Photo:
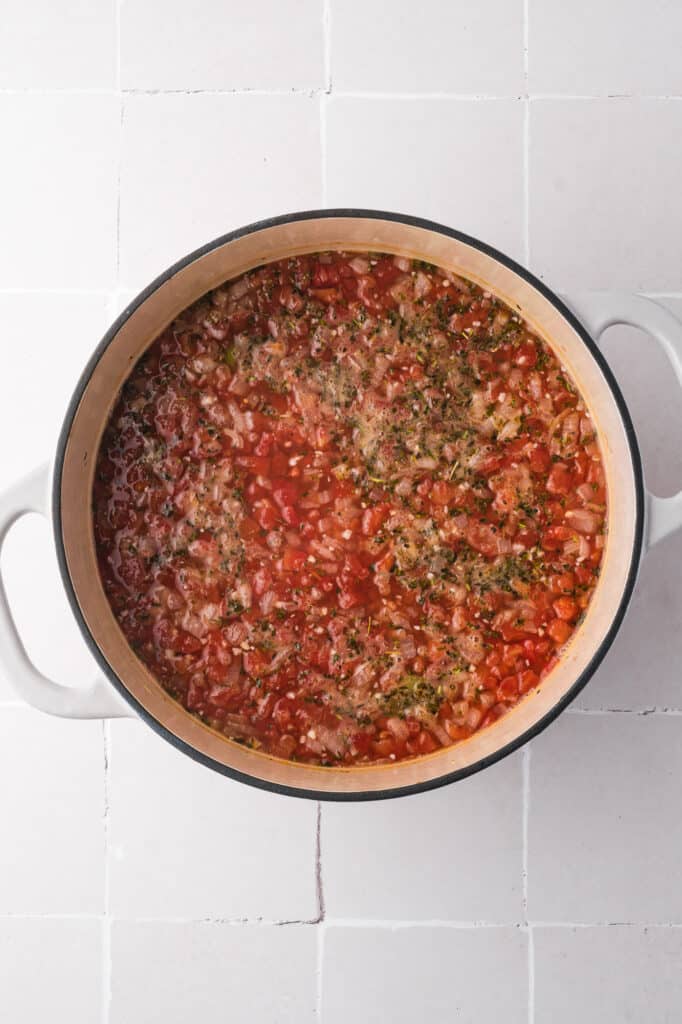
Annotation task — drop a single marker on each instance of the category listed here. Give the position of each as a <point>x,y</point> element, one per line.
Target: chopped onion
<point>564,432</point>
<point>583,520</point>
<point>238,385</point>
<point>219,333</point>
<point>239,288</point>
<point>359,264</point>
<point>316,499</point>
<point>432,724</point>
<point>585,492</point>
<point>398,728</point>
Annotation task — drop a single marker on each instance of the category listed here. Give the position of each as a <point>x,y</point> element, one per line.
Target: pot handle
<point>599,310</point>
<point>97,701</point>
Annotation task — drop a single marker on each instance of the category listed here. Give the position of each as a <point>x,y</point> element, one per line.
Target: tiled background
<point>136,886</point>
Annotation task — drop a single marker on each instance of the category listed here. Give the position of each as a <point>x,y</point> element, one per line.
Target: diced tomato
<point>583,575</point>
<point>528,680</point>
<point>484,537</point>
<point>526,355</point>
<point>350,597</point>
<point>490,464</point>
<point>352,570</point>
<point>374,518</point>
<point>563,583</point>
<point>565,609</point>
<point>256,464</point>
<point>262,580</point>
<point>539,458</point>
<point>441,492</point>
<point>285,492</point>
<point>555,537</point>
<point>325,274</point>
<point>265,444</point>
<point>293,559</point>
<point>508,688</point>
<point>266,514</point>
<point>559,631</point>
<point>326,295</point>
<point>290,516</point>
<point>254,663</point>
<point>559,480</point>
<point>425,743</point>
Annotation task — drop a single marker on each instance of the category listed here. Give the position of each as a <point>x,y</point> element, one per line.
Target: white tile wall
<point>136,886</point>
<point>50,338</point>
<point>52,846</point>
<point>264,45</point>
<point>604,829</point>
<point>58,197</point>
<point>629,973</point>
<point>602,181</point>
<point>44,45</point>
<point>195,166</point>
<point>188,843</point>
<point>593,47</point>
<point>472,975</point>
<point>175,973</point>
<point>50,970</point>
<point>454,874</point>
<point>469,47</point>
<point>409,155</point>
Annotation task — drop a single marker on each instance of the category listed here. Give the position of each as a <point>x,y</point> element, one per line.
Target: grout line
<point>347,93</point>
<point>309,92</point>
<point>644,925</point>
<point>531,976</point>
<point>318,865</point>
<point>58,916</point>
<point>118,194</point>
<point>58,92</point>
<point>326,31</point>
<point>526,142</point>
<point>525,771</point>
<point>327,39</point>
<point>364,922</point>
<point>56,291</point>
<point>526,27</point>
<point>350,94</point>
<point>602,96</point>
<point>526,182</point>
<point>491,925</point>
<point>642,712</point>
<point>525,768</point>
<point>106,923</point>
<point>323,147</point>
<point>318,966</point>
<point>662,295</point>
<point>346,922</point>
<point>117,31</point>
<point>320,909</point>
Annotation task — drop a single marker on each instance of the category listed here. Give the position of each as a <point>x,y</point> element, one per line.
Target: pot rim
<point>448,777</point>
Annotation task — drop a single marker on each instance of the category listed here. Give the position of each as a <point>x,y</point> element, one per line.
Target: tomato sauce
<point>349,508</point>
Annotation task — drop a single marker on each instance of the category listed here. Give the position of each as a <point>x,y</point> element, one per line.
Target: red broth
<point>348,509</point>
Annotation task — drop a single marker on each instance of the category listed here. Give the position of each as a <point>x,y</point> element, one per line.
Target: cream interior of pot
<point>230,260</point>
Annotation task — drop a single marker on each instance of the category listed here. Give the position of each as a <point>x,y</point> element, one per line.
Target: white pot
<point>636,519</point>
